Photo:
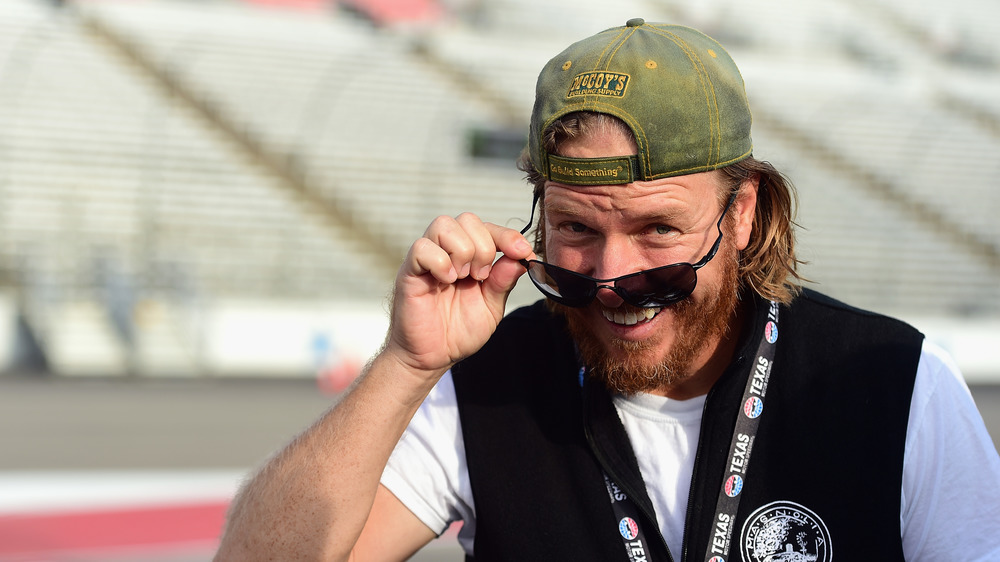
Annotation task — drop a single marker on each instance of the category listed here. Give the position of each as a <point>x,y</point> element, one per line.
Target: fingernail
<point>522,245</point>
<point>483,273</point>
<point>465,270</point>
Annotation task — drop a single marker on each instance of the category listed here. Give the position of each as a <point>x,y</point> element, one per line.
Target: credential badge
<point>785,531</point>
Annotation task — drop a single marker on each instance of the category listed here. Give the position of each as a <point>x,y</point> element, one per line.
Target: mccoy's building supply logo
<point>599,84</point>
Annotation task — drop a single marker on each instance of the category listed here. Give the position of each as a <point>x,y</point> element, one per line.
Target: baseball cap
<point>676,88</point>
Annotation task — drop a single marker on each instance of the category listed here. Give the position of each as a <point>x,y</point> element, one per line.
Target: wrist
<point>394,369</point>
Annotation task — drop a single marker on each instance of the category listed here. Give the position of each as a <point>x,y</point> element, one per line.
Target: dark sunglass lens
<point>659,287</point>
<point>562,285</point>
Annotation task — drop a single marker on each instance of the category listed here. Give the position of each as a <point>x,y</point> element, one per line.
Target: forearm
<point>313,498</point>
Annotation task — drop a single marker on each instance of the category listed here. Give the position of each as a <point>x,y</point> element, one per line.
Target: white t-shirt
<point>950,505</point>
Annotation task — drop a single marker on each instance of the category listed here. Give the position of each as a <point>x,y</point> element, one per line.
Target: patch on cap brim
<point>592,171</point>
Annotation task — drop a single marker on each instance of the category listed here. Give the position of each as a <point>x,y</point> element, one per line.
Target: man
<point>677,396</point>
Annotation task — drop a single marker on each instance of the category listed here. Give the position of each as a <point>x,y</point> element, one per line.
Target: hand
<point>449,294</point>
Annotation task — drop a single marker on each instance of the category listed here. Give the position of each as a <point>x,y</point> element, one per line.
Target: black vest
<point>826,466</point>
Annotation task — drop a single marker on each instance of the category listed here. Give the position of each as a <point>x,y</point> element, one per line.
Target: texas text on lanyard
<point>741,445</point>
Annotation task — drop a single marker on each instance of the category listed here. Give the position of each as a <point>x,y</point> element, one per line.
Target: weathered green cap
<point>675,87</point>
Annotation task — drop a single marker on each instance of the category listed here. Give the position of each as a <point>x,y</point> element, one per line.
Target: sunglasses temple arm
<point>715,247</point>
<point>531,217</point>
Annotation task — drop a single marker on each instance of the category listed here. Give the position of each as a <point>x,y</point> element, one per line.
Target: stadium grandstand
<point>196,193</point>
<point>184,183</point>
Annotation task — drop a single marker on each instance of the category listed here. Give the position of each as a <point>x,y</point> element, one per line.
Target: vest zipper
<point>631,491</point>
<point>688,529</point>
<point>694,477</point>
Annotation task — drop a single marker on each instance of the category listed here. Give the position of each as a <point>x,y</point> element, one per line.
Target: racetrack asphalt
<point>113,447</point>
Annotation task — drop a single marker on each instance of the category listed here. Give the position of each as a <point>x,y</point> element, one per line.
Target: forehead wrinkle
<point>634,202</point>
<point>628,202</point>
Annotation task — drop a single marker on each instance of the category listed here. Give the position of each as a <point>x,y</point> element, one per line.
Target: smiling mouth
<point>631,317</point>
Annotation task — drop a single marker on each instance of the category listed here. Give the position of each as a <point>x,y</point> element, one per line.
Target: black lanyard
<point>741,445</point>
<point>626,513</point>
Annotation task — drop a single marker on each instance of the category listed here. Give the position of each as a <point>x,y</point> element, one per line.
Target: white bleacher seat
<point>94,154</point>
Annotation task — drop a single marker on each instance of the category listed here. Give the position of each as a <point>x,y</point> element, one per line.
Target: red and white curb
<point>113,515</point>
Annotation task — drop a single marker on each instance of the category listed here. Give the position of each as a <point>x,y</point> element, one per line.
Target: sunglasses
<point>651,288</point>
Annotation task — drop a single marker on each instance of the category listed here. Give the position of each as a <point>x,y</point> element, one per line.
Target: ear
<point>746,208</point>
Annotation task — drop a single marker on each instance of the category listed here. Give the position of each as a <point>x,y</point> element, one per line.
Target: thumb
<point>501,281</point>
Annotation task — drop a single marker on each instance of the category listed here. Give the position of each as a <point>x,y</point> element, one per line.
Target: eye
<point>575,227</point>
<point>661,235</point>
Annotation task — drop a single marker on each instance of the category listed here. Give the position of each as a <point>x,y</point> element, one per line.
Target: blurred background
<point>203,204</point>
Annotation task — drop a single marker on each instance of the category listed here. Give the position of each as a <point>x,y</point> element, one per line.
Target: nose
<point>615,260</point>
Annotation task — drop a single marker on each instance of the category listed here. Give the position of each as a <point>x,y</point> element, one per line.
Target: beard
<point>625,366</point>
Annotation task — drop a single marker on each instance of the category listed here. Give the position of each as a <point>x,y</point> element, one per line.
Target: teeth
<point>630,318</point>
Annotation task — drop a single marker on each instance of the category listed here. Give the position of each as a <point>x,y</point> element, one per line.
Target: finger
<point>466,241</point>
<point>484,248</point>
<point>450,236</point>
<point>510,242</point>
<point>427,257</point>
<point>507,269</point>
<point>503,277</point>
